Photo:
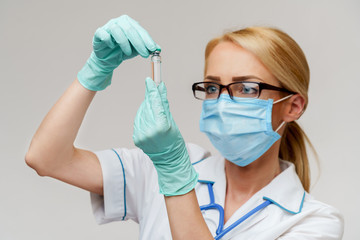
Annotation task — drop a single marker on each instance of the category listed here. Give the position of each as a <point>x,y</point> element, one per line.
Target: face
<point>228,60</point>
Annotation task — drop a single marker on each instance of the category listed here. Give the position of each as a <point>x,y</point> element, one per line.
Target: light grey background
<point>43,44</point>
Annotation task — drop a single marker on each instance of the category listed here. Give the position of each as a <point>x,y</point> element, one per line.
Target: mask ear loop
<point>282,124</point>
<point>284,98</point>
<point>280,100</point>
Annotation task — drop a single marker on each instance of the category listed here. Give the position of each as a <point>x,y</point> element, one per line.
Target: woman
<point>256,80</point>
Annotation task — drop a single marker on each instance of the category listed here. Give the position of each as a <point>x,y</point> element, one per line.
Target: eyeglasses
<point>242,89</point>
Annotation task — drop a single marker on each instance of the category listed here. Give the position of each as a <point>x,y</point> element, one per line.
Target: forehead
<point>228,60</point>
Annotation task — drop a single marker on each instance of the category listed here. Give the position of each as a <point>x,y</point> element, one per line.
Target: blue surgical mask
<point>240,129</point>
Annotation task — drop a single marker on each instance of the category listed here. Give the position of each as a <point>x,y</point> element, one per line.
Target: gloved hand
<point>120,39</point>
<point>156,133</point>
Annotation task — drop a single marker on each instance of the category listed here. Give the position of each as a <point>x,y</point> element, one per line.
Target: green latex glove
<point>120,39</point>
<point>156,133</point>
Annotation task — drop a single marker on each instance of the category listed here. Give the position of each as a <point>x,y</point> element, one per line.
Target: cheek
<point>276,117</point>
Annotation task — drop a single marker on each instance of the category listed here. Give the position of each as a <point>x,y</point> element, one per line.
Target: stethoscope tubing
<point>240,220</point>
<point>220,231</point>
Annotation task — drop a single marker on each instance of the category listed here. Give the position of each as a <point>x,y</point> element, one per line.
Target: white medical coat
<point>131,192</point>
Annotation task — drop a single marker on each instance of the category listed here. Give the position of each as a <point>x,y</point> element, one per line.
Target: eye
<point>211,89</point>
<point>245,89</point>
<point>249,90</point>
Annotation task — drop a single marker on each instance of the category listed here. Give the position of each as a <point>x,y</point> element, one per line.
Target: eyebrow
<point>234,79</point>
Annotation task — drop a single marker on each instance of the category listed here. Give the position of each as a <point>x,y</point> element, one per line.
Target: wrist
<point>177,182</point>
<point>92,78</point>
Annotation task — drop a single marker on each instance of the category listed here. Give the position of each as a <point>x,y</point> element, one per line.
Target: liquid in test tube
<point>156,66</point>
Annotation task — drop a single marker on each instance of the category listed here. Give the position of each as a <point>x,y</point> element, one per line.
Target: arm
<point>156,133</point>
<point>185,218</point>
<point>52,152</point>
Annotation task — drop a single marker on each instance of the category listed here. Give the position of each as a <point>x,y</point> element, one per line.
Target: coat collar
<point>285,190</point>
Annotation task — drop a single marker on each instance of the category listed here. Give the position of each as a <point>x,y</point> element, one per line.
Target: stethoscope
<point>220,231</point>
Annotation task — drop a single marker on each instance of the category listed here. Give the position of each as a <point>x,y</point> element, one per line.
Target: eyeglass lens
<point>212,90</point>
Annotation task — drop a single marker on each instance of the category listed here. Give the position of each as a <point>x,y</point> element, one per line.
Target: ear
<point>294,108</point>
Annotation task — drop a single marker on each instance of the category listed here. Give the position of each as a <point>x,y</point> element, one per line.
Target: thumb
<point>163,94</point>
<point>102,37</point>
<point>163,91</point>
<point>151,90</point>
<point>154,99</point>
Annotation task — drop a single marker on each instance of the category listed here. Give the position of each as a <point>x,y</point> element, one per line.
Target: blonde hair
<point>287,62</point>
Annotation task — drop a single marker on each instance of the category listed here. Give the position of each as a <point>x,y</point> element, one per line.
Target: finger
<point>102,37</point>
<point>120,39</point>
<point>148,41</point>
<point>133,36</point>
<point>158,47</point>
<point>108,24</point>
<point>137,42</point>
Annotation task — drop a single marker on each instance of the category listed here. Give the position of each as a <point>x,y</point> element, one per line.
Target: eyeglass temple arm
<point>270,87</point>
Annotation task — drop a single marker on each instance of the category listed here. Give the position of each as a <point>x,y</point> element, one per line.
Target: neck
<point>244,182</point>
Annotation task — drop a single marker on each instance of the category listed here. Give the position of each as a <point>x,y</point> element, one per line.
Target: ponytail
<point>293,149</point>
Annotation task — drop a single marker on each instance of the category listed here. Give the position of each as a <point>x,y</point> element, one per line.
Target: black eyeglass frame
<point>227,87</point>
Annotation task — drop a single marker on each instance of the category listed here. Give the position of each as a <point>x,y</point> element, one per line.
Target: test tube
<point>156,66</point>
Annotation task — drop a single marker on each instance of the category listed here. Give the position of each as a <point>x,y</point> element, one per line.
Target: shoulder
<point>196,153</point>
<point>303,217</point>
<point>320,210</point>
<point>119,153</point>
<point>136,158</point>
<point>124,160</point>
<point>210,167</point>
<point>318,219</point>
